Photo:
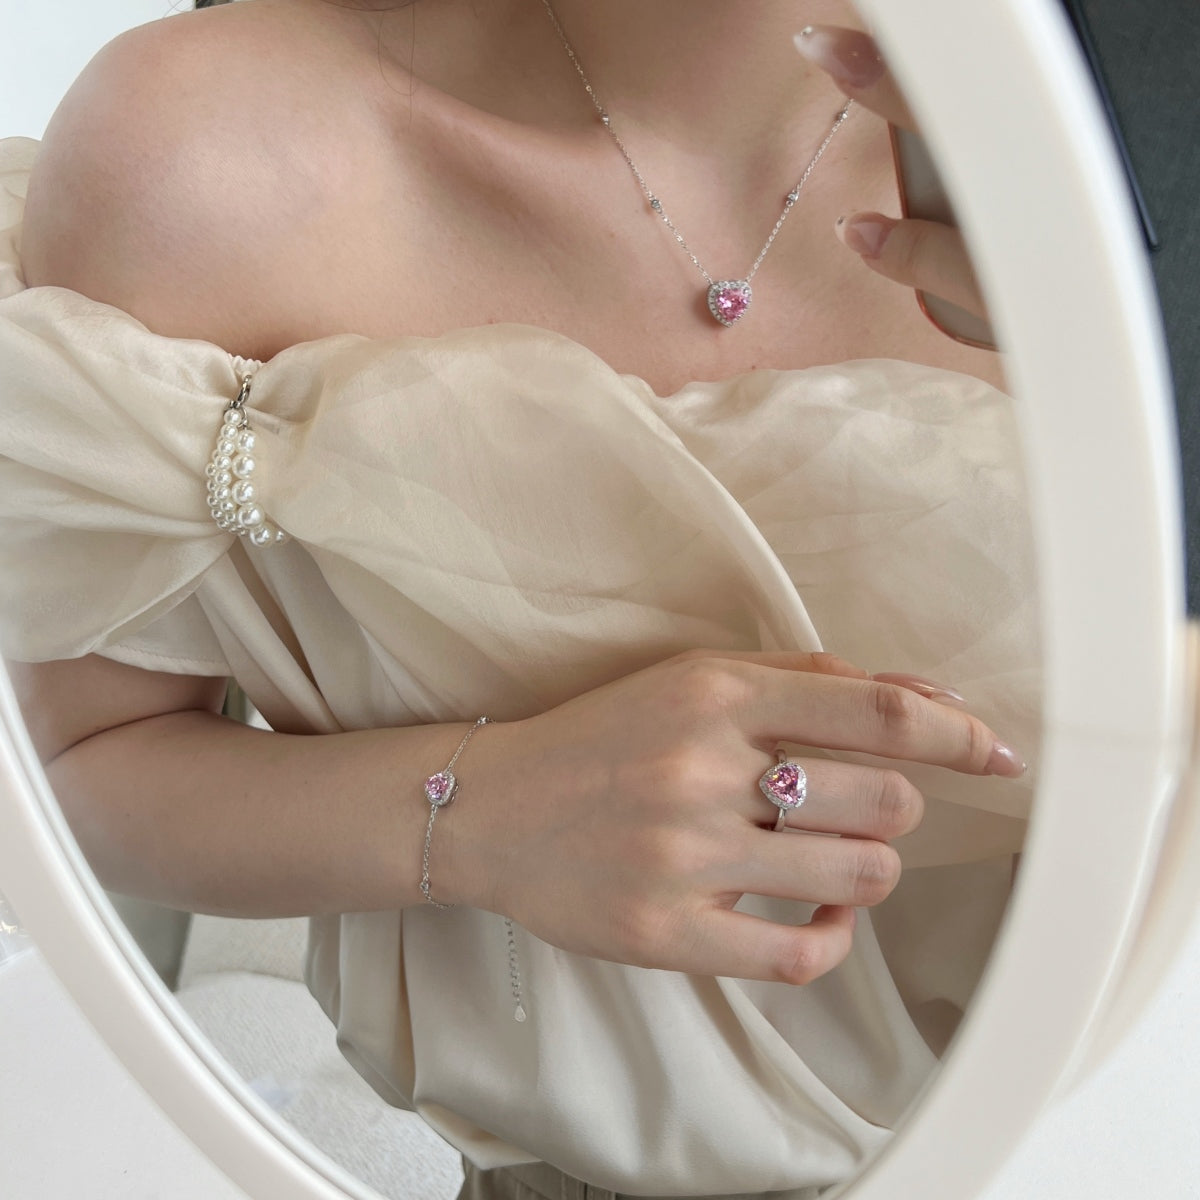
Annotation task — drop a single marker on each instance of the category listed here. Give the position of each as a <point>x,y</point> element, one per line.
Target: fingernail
<point>865,234</point>
<point>923,687</point>
<point>849,55</point>
<point>1005,761</point>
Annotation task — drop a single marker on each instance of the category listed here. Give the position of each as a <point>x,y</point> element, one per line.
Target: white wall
<point>44,44</point>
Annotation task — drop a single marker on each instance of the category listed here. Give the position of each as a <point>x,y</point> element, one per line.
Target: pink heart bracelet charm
<point>441,788</point>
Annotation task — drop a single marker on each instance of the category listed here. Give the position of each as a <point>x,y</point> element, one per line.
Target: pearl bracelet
<point>232,496</point>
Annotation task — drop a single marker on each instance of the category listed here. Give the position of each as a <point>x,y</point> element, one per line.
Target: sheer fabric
<point>493,521</point>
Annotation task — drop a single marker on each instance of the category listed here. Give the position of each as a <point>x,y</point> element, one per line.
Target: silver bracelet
<point>440,789</point>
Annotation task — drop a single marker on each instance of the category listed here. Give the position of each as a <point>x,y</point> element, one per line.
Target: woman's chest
<point>429,242</point>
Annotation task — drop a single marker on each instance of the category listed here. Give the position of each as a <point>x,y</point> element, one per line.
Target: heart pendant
<point>440,788</point>
<point>785,784</point>
<point>729,299</point>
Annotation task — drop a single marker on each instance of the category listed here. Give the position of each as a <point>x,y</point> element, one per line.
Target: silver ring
<point>785,785</point>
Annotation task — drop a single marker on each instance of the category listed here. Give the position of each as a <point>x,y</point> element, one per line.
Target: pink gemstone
<point>436,786</point>
<point>731,303</point>
<point>783,782</point>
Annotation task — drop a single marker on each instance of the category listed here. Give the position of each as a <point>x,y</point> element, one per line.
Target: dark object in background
<point>1148,52</point>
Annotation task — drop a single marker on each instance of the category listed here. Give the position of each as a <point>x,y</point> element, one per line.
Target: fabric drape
<point>493,521</point>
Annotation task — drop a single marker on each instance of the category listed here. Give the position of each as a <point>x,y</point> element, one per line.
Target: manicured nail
<point>866,233</point>
<point>1005,761</point>
<point>850,56</point>
<point>923,687</point>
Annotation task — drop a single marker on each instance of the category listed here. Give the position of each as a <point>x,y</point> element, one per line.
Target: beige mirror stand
<point>1006,106</point>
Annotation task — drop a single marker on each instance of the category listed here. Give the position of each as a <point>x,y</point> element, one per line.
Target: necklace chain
<point>656,204</point>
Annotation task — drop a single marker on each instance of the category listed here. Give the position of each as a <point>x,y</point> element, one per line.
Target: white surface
<point>73,1115</point>
<point>241,982</point>
<point>72,1121</point>
<point>1052,235</point>
<point>1162,1161</point>
<point>75,1125</point>
<point>44,44</point>
<point>1130,1131</point>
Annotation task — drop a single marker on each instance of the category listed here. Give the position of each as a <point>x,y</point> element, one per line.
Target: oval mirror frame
<point>1037,185</point>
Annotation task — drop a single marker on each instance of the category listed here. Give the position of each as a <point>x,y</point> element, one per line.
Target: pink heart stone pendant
<point>785,784</point>
<point>728,300</point>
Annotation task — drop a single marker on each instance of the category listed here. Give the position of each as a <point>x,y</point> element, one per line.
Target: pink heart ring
<point>785,785</point>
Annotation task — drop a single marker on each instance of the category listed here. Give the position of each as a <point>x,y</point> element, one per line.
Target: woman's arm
<point>172,802</point>
<point>624,823</point>
<point>160,193</point>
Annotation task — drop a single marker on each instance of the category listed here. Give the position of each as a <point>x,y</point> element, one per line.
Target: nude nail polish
<point>865,235</point>
<point>1005,761</point>
<point>849,55</point>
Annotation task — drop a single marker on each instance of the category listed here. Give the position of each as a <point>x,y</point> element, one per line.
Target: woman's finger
<point>853,800</point>
<point>740,946</point>
<point>819,662</point>
<point>860,872</point>
<point>848,799</point>
<point>929,688</point>
<point>772,706</point>
<point>852,60</point>
<point>924,255</point>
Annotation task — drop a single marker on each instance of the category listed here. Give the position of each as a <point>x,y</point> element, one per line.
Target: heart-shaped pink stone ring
<point>785,785</point>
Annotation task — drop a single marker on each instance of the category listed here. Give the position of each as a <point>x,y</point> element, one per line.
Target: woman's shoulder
<point>185,161</point>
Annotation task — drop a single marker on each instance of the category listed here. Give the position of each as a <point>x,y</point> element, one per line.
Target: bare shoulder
<point>187,160</point>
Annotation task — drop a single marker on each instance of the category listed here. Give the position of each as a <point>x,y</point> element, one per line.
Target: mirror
<point>1071,690</point>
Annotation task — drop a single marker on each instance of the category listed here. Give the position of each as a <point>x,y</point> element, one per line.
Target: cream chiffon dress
<point>493,521</point>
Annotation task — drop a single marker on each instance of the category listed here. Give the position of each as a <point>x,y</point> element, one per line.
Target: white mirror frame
<point>1038,188</point>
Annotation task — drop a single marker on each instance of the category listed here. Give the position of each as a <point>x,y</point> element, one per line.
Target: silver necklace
<point>728,299</point>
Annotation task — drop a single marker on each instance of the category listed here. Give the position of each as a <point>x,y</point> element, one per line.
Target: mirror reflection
<point>560,365</point>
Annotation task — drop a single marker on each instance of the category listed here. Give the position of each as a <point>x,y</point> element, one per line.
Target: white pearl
<point>221,478</point>
<point>226,445</point>
<point>233,416</point>
<point>261,536</point>
<point>223,493</point>
<point>250,515</point>
<point>222,462</point>
<point>243,465</point>
<point>243,491</point>
<point>227,506</point>
<point>209,470</point>
<point>246,440</point>
<point>281,537</point>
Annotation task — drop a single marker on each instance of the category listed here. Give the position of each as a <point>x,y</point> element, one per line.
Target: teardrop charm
<point>728,300</point>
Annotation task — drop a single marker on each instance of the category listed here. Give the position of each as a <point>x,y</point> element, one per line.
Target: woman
<point>512,497</point>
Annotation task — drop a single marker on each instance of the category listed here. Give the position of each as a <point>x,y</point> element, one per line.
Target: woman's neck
<point>699,69</point>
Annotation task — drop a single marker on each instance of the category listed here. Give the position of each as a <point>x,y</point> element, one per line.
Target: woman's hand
<point>924,255</point>
<point>638,823</point>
